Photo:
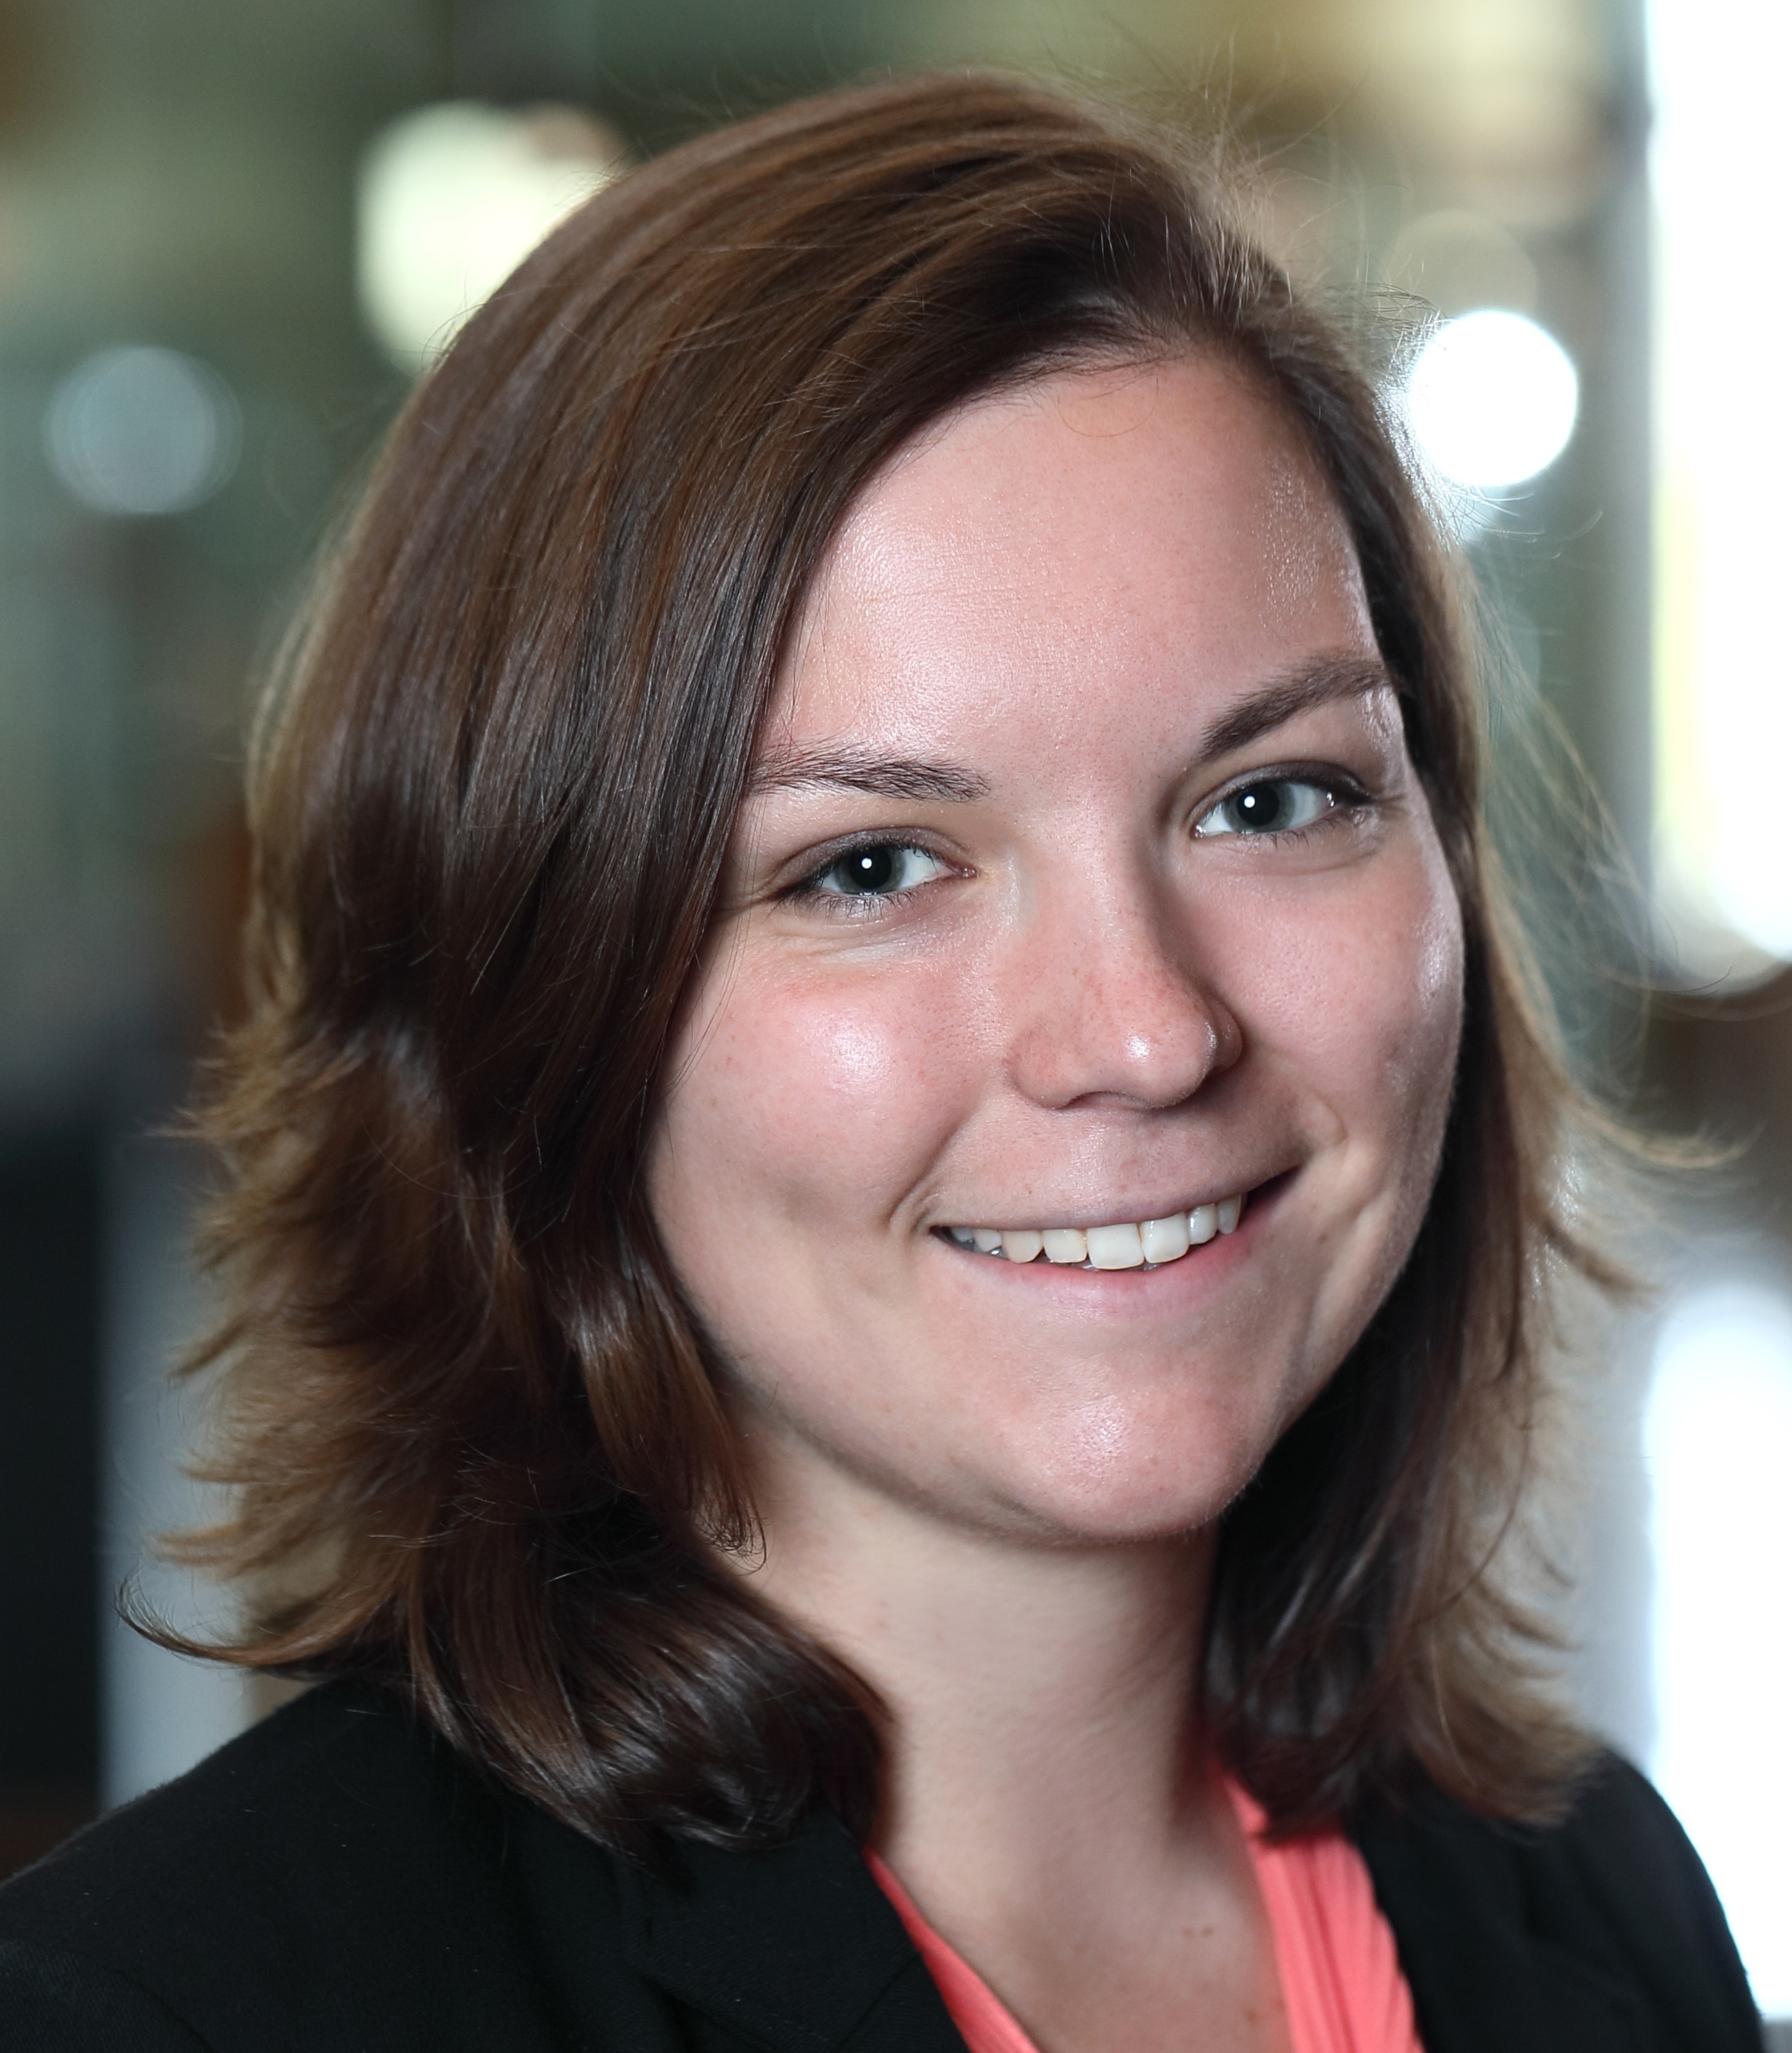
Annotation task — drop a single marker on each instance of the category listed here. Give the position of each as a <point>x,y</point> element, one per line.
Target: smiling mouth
<point>1140,1244</point>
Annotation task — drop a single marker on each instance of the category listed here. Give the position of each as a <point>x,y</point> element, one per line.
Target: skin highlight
<point>1091,994</point>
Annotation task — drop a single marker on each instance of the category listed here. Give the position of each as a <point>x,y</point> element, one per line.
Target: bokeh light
<point>453,197</point>
<point>1491,399</point>
<point>142,431</point>
<point>1717,1442</point>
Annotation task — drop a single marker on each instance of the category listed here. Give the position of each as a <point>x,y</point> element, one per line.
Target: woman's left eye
<point>880,871</point>
<point>1277,804</point>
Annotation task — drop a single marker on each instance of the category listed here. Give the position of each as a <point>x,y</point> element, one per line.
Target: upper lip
<point>1049,1221</point>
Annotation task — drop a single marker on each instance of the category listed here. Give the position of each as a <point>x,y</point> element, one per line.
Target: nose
<point>1108,1004</point>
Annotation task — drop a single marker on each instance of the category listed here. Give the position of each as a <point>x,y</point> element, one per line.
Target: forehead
<point>1132,542</point>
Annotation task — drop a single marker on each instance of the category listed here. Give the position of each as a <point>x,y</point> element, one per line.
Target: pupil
<point>870,869</point>
<point>1261,808</point>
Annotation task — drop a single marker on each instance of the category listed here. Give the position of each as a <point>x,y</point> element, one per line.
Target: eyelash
<point>1344,795</point>
<point>854,905</point>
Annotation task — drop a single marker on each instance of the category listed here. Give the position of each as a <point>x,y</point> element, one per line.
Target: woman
<point>891,1191</point>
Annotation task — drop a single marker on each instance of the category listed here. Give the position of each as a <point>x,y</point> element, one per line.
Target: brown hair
<point>474,1439</point>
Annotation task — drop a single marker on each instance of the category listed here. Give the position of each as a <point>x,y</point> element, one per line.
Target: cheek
<point>1365,1002</point>
<point>803,1099</point>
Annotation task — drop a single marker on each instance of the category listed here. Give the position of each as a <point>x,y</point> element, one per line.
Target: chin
<point>1125,1476</point>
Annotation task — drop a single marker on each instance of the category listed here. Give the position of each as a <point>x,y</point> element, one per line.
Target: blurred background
<point>232,232</point>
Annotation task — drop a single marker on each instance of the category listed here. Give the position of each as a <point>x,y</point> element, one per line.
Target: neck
<point>1042,1698</point>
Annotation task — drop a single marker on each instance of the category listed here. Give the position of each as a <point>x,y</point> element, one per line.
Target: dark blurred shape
<point>509,54</point>
<point>1720,1063</point>
<point>27,62</point>
<point>50,1241</point>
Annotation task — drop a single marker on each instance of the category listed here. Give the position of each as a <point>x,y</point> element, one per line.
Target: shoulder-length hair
<point>476,1443</point>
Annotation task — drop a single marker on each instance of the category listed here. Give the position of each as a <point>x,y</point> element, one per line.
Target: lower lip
<point>1122,1291</point>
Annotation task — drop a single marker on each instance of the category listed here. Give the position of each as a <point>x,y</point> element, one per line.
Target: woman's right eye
<point>882,869</point>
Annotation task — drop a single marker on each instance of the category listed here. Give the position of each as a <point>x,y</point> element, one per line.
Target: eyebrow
<point>1296,691</point>
<point>865,770</point>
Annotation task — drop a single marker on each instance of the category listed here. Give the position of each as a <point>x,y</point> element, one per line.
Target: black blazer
<point>337,1882</point>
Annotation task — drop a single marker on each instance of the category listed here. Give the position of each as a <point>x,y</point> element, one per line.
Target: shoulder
<point>1602,1930</point>
<point>338,1783</point>
<point>333,1864</point>
<point>338,1877</point>
<point>55,2001</point>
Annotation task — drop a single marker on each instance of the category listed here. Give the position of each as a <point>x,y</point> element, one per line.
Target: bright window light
<point>1491,399</point>
<point>1717,1441</point>
<point>141,430</point>
<point>453,197</point>
<point>1723,445</point>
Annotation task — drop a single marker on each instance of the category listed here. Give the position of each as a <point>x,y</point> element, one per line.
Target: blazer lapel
<point>1482,1979</point>
<point>795,1949</point>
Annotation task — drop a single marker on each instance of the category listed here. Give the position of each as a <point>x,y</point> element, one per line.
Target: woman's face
<point>1085,884</point>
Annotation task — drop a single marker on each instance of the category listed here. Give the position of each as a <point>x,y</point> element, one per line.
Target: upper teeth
<point>1151,1242</point>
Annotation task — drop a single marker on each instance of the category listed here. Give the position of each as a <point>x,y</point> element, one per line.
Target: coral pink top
<point>1341,1978</point>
